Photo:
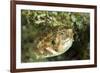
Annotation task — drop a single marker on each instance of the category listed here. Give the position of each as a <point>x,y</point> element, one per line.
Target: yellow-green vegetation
<point>54,36</point>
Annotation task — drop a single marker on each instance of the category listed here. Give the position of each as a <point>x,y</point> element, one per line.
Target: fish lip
<point>64,50</point>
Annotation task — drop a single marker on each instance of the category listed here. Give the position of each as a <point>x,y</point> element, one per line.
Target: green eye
<point>62,33</point>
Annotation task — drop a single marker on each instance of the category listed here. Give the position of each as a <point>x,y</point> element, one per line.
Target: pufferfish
<point>54,43</point>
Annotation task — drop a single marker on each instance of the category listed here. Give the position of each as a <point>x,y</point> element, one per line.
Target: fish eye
<point>62,33</point>
<point>53,42</point>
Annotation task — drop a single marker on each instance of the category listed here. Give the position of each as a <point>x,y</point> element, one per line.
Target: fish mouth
<point>66,46</point>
